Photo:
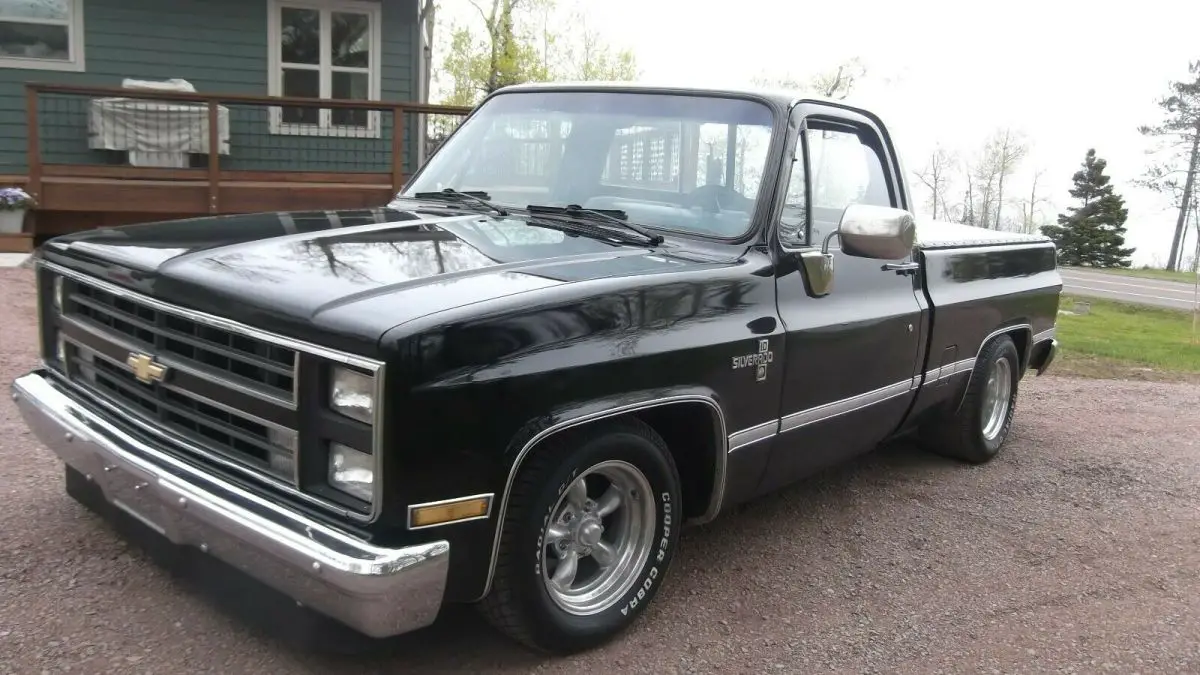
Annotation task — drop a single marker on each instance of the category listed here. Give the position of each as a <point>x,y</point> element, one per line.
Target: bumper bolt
<point>70,437</point>
<point>88,477</point>
<point>317,566</point>
<point>183,502</point>
<point>204,548</point>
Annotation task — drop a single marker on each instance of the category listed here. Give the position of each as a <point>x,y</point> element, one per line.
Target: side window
<point>793,221</point>
<point>846,169</point>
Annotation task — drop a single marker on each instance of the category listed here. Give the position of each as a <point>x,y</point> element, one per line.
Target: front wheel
<point>592,526</point>
<point>981,425</point>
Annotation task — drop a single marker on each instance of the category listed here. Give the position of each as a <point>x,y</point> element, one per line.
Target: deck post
<point>397,148</point>
<point>214,156</point>
<point>33,143</point>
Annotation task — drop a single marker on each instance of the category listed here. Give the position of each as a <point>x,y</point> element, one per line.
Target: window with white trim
<point>41,34</point>
<point>325,49</point>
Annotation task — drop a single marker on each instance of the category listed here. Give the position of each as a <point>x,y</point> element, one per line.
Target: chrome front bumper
<point>378,591</point>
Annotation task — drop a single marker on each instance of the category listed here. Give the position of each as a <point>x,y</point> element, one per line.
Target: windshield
<point>686,163</point>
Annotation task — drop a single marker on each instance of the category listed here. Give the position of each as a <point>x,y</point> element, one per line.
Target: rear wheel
<point>592,525</point>
<point>978,430</point>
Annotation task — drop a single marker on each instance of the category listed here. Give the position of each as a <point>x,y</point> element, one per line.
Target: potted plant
<point>14,202</point>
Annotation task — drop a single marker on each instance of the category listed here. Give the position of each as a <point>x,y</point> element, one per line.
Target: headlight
<point>351,471</point>
<point>352,394</point>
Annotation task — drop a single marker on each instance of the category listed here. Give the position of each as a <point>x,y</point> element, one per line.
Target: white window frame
<point>325,126</point>
<point>74,24</point>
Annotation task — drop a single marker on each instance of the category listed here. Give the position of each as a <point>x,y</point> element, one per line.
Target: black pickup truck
<point>596,314</point>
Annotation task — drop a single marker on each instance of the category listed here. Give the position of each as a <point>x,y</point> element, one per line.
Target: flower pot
<point>11,222</point>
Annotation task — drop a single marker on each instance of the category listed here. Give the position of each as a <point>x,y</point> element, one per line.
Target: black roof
<point>780,97</point>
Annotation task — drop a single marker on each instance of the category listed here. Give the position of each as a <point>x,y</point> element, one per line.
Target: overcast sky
<point>1069,74</point>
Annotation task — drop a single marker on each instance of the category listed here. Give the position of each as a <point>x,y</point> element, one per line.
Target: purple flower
<point>14,198</point>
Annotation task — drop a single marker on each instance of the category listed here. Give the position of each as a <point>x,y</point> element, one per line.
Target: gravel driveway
<point>1077,551</point>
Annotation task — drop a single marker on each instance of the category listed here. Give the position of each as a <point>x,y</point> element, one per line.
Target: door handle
<point>902,268</point>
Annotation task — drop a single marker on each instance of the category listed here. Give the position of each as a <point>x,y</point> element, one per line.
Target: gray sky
<point>1069,74</point>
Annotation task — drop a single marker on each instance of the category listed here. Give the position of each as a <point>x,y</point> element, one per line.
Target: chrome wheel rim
<point>598,538</point>
<point>996,394</point>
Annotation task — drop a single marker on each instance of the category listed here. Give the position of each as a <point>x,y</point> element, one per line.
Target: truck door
<point>852,355</point>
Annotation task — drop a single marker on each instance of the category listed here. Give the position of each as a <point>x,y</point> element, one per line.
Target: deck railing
<point>152,135</point>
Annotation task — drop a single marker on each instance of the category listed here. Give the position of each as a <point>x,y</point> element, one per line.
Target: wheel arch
<point>1022,337</point>
<point>672,417</point>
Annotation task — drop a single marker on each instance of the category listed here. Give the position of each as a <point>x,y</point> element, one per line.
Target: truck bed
<point>979,283</point>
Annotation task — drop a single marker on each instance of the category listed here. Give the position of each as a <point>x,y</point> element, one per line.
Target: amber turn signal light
<point>449,511</point>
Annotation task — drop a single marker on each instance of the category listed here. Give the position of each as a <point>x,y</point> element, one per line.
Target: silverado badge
<point>759,360</point>
<point>145,368</point>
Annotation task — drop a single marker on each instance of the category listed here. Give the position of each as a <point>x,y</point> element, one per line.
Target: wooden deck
<point>232,192</point>
<point>73,197</point>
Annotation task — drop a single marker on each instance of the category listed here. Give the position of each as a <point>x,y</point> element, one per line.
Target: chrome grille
<point>233,435</point>
<point>255,363</point>
<point>216,379</point>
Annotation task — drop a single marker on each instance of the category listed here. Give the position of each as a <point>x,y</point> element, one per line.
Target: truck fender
<point>576,414</point>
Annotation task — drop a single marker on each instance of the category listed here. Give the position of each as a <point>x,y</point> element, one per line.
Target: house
<point>106,106</point>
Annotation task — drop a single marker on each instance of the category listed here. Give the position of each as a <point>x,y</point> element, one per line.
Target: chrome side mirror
<point>865,232</point>
<point>879,232</point>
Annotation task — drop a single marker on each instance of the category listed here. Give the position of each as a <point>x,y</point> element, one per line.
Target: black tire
<point>961,435</point>
<point>519,604</point>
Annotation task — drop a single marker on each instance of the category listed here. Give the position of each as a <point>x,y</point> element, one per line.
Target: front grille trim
<point>155,336</point>
<point>172,334</point>
<point>247,436</point>
<point>195,450</point>
<point>371,365</point>
<point>129,344</point>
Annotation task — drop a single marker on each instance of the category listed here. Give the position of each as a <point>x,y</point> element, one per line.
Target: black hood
<point>343,278</point>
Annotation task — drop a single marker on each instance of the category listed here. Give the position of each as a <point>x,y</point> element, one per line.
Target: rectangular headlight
<point>352,394</point>
<point>351,471</point>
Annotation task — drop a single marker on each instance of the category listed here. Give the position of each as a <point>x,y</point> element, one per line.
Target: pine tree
<point>1093,233</point>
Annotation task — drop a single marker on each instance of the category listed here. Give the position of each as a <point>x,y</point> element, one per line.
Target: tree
<point>981,187</point>
<point>1180,131</point>
<point>936,176</point>
<point>968,212</point>
<point>1008,149</point>
<point>836,83</point>
<point>1093,233</point>
<point>994,163</point>
<point>518,44</point>
<point>1029,207</point>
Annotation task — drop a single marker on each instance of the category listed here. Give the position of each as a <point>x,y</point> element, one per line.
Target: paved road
<point>1160,293</point>
<point>1078,550</point>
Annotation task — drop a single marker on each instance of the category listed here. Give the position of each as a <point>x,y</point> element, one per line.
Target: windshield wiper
<point>613,216</point>
<point>471,196</point>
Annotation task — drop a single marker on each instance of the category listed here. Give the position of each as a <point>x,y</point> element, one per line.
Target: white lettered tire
<point>592,526</point>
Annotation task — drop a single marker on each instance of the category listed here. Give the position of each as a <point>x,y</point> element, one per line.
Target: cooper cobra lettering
<point>652,574</point>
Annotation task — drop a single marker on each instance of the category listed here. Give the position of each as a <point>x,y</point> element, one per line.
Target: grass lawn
<point>1166,275</point>
<point>1116,340</point>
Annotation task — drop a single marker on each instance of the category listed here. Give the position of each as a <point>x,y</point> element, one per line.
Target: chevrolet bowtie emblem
<point>145,369</point>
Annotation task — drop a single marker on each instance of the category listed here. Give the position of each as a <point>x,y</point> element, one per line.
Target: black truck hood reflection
<point>343,278</point>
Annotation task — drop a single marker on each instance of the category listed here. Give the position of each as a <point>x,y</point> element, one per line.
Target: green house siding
<point>220,46</point>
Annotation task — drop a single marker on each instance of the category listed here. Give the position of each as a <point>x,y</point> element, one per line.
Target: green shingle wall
<point>219,46</point>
